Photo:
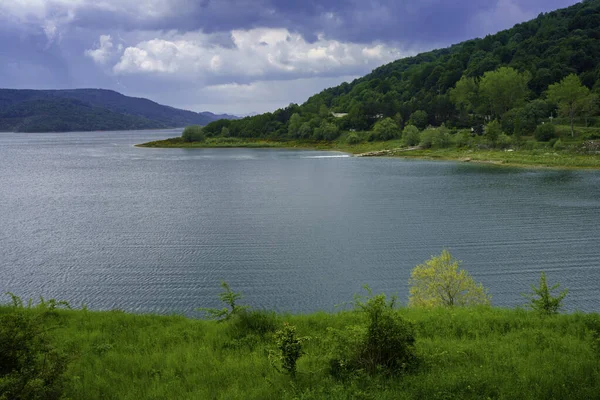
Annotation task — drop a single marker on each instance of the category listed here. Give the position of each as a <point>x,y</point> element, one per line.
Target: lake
<point>89,218</point>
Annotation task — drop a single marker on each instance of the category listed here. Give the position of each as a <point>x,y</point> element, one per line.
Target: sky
<point>231,56</point>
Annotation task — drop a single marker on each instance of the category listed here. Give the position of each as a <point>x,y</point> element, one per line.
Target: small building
<point>339,115</point>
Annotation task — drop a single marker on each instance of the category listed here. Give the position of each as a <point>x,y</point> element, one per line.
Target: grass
<point>476,353</point>
<point>535,155</point>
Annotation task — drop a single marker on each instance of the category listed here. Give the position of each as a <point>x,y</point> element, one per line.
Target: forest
<point>540,71</point>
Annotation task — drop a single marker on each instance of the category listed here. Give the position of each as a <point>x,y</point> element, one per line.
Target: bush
<point>545,132</point>
<point>441,138</point>
<point>386,129</point>
<point>352,139</point>
<point>410,136</point>
<point>493,130</point>
<point>559,145</point>
<point>463,138</point>
<point>504,141</point>
<point>30,368</point>
<point>385,344</point>
<point>193,133</point>
<point>542,301</point>
<point>440,282</point>
<point>290,348</point>
<point>230,299</point>
<point>426,138</point>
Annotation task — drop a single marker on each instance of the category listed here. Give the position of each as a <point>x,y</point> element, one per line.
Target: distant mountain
<point>90,110</point>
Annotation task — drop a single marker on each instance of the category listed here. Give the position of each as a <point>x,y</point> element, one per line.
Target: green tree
<point>420,119</point>
<point>440,282</point>
<point>305,131</point>
<point>504,89</point>
<point>294,125</point>
<point>465,94</point>
<point>193,133</point>
<point>569,95</point>
<point>326,131</point>
<point>386,129</point>
<point>410,135</point>
<point>493,130</point>
<point>542,301</point>
<point>225,132</point>
<point>589,106</point>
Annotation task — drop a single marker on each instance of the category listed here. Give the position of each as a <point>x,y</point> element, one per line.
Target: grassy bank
<point>539,157</point>
<point>467,353</point>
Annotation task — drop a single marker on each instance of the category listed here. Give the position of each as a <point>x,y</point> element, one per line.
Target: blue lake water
<point>89,218</point>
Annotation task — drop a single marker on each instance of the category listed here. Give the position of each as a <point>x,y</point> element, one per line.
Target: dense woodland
<point>503,77</point>
<point>89,110</point>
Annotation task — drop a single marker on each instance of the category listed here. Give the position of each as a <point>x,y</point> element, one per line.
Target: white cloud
<point>104,52</point>
<point>261,53</point>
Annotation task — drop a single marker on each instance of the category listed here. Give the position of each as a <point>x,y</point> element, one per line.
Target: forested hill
<point>418,89</point>
<point>89,110</point>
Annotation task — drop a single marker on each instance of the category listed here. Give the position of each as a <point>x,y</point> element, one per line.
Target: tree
<point>569,95</point>
<point>542,300</point>
<point>294,125</point>
<point>440,282</point>
<point>465,94</point>
<point>410,135</point>
<point>504,89</point>
<point>193,133</point>
<point>386,129</point>
<point>589,106</point>
<point>420,119</point>
<point>493,130</point>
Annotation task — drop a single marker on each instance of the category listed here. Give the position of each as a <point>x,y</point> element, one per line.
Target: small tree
<point>493,130</point>
<point>230,298</point>
<point>569,94</point>
<point>410,135</point>
<point>542,301</point>
<point>193,133</point>
<point>290,348</point>
<point>386,129</point>
<point>440,282</point>
<point>419,118</point>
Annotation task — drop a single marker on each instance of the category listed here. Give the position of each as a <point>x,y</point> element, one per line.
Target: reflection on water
<point>89,218</point>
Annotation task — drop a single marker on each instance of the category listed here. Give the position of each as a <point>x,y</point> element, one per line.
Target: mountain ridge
<point>86,109</point>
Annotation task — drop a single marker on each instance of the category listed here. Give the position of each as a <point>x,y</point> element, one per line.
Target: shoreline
<point>532,159</point>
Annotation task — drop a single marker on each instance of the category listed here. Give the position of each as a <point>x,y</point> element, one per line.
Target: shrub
<point>30,368</point>
<point>386,129</point>
<point>290,348</point>
<point>441,138</point>
<point>493,130</point>
<point>193,133</point>
<point>410,136</point>
<point>440,282</point>
<point>559,145</point>
<point>463,138</point>
<point>504,141</point>
<point>545,132</point>
<point>230,299</point>
<point>542,301</point>
<point>385,344</point>
<point>426,138</point>
<point>352,139</point>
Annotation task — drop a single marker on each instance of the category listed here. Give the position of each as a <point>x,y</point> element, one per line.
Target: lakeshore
<point>537,158</point>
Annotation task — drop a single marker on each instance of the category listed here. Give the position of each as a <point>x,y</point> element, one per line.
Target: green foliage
<point>492,132</point>
<point>504,89</point>
<point>326,131</point>
<point>230,299</point>
<point>420,119</point>
<point>440,282</point>
<point>465,95</point>
<point>542,301</point>
<point>253,322</point>
<point>193,133</point>
<point>385,344</point>
<point>426,137</point>
<point>30,367</point>
<point>353,139</point>
<point>463,138</point>
<point>570,96</point>
<point>386,129</point>
<point>545,132</point>
<point>290,348</point>
<point>410,135</point>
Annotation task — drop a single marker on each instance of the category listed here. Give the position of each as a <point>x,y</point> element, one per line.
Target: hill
<point>417,90</point>
<point>89,110</point>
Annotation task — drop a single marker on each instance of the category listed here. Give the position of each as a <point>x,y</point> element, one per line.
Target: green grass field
<point>478,353</point>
